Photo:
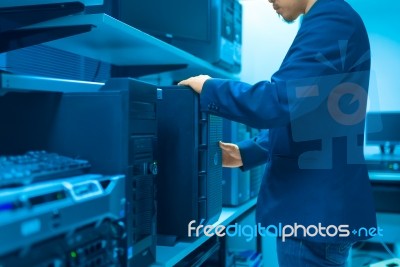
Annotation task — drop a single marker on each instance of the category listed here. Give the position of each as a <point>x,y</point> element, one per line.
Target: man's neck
<point>310,3</point>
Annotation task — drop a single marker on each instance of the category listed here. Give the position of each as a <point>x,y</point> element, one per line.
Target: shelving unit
<point>13,17</point>
<point>117,43</point>
<point>25,3</point>
<point>106,39</point>
<point>24,83</point>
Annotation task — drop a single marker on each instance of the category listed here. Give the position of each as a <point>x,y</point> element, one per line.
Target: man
<point>314,108</point>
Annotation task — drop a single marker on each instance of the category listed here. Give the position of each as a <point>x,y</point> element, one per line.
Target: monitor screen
<point>383,128</point>
<point>179,19</point>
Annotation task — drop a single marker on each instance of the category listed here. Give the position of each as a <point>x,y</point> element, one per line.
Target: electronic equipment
<point>386,196</point>
<point>384,174</point>
<point>383,162</point>
<point>77,221</point>
<point>35,166</point>
<point>189,157</point>
<point>114,128</point>
<point>208,29</point>
<point>235,183</point>
<point>383,129</point>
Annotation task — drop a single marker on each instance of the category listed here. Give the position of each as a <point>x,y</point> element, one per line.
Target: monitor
<point>383,129</point>
<point>209,29</point>
<point>169,18</point>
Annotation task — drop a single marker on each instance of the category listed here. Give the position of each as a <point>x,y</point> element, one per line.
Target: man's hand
<point>195,82</point>
<point>230,155</point>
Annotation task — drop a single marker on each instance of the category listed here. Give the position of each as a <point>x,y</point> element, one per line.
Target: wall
<point>266,39</point>
<point>380,18</point>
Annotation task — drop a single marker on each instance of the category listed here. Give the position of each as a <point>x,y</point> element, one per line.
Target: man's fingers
<point>230,155</point>
<point>228,147</point>
<point>196,82</point>
<point>184,82</point>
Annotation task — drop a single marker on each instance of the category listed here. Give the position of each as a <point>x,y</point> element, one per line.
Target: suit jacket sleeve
<point>254,151</point>
<point>314,53</point>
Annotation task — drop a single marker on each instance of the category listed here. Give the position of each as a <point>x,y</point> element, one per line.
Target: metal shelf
<point>169,256</point>
<point>23,3</point>
<point>24,83</point>
<point>119,44</point>
<point>14,16</point>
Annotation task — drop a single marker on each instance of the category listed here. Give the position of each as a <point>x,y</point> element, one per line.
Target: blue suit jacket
<point>314,108</point>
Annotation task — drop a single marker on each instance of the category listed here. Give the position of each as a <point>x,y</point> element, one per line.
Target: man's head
<point>291,9</point>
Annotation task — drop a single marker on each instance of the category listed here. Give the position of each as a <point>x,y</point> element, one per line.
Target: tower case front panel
<point>190,167</point>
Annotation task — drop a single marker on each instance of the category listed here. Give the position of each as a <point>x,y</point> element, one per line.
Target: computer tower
<point>189,160</point>
<point>235,183</point>
<point>114,128</point>
<point>208,29</point>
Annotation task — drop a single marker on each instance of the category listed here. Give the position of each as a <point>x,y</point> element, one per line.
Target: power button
<point>153,168</point>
